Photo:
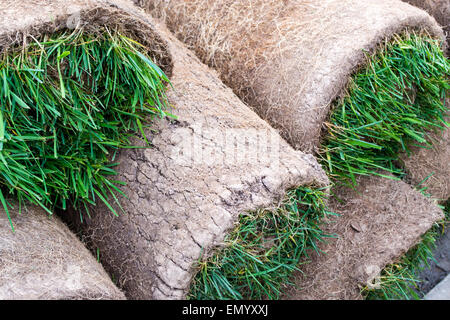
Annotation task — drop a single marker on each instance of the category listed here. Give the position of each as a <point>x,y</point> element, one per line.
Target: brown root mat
<point>43,259</point>
<point>379,222</point>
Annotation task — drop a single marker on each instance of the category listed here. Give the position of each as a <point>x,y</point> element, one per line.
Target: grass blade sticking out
<point>65,103</point>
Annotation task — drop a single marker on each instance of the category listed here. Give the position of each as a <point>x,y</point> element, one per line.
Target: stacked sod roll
<point>70,97</point>
<point>179,190</point>
<point>358,83</point>
<point>44,260</point>
<point>290,60</point>
<point>69,101</point>
<point>378,221</point>
<point>400,280</point>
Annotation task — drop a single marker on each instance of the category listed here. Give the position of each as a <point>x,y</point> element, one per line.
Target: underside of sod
<point>69,101</point>
<point>391,104</point>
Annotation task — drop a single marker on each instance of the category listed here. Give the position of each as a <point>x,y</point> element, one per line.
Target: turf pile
<point>263,250</point>
<point>400,280</point>
<point>44,260</point>
<point>162,211</point>
<point>68,102</point>
<point>390,105</point>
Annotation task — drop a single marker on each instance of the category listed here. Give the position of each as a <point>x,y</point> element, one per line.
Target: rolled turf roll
<point>358,77</point>
<point>43,259</point>
<point>74,85</point>
<point>289,60</point>
<point>60,120</point>
<point>440,10</point>
<point>379,222</point>
<point>187,191</point>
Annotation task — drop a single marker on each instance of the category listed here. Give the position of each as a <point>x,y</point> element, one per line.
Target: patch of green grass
<point>390,105</point>
<point>263,250</point>
<point>68,102</point>
<point>399,281</point>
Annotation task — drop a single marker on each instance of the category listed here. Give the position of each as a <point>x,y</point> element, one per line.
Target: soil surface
<point>438,269</point>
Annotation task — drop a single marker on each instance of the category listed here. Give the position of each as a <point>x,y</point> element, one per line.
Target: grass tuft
<point>68,102</point>
<point>390,105</point>
<point>263,250</point>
